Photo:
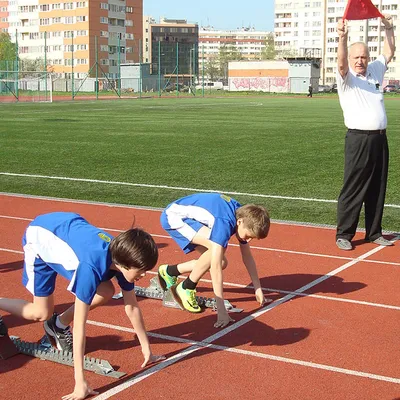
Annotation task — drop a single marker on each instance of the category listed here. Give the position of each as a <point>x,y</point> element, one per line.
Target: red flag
<point>361,9</point>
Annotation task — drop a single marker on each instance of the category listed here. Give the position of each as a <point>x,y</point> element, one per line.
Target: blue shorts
<point>37,276</point>
<point>181,230</point>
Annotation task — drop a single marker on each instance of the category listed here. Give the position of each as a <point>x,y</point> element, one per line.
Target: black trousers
<point>365,179</point>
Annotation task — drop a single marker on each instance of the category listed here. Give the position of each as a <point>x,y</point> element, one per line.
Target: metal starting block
<point>7,348</point>
<point>10,346</point>
<point>155,291</point>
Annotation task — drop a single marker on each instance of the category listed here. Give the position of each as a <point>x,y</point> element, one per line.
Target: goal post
<point>26,87</point>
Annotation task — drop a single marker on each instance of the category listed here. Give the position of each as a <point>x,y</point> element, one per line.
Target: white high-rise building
<point>308,28</point>
<point>248,41</point>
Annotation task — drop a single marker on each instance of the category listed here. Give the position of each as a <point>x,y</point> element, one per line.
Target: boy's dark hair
<point>134,248</point>
<point>255,218</point>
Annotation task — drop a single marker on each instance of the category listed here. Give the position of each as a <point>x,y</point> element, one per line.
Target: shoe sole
<point>345,248</point>
<point>179,300</point>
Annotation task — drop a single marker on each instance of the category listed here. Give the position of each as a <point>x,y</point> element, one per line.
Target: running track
<point>331,332</point>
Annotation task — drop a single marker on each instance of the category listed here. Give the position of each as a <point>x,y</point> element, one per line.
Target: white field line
<point>208,341</point>
<point>268,196</point>
<point>252,354</point>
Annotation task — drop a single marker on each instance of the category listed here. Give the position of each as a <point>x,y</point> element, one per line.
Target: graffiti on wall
<point>272,84</point>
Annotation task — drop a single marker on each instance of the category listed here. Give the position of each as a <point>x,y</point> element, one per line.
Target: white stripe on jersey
<point>177,212</point>
<point>50,248</point>
<point>29,257</point>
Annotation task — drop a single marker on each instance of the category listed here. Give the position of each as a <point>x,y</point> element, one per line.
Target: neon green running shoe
<point>186,298</point>
<point>166,280</point>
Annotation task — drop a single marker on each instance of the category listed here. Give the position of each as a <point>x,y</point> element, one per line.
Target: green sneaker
<point>166,280</point>
<point>186,297</point>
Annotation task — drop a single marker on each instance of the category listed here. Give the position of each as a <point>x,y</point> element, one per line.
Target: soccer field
<point>283,152</point>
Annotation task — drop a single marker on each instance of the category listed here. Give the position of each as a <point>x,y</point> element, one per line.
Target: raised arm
<point>342,53</point>
<point>389,44</point>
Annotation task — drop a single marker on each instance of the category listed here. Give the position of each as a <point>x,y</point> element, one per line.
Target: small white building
<point>293,75</point>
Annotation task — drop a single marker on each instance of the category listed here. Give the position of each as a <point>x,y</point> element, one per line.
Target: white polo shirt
<point>361,99</point>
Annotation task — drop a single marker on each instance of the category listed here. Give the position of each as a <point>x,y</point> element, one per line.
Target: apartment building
<point>3,16</point>
<point>171,47</point>
<point>308,28</point>
<point>249,42</point>
<point>66,33</point>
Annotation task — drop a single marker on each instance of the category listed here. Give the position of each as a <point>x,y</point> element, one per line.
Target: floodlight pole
<point>202,56</point>
<point>45,63</point>
<point>140,69</point>
<point>17,64</point>
<point>177,68</point>
<point>159,69</point>
<point>72,65</point>
<point>119,64</point>
<point>97,67</point>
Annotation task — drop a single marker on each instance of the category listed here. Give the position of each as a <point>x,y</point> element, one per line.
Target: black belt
<point>375,132</point>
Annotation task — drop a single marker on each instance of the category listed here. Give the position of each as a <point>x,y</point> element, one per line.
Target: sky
<point>221,14</point>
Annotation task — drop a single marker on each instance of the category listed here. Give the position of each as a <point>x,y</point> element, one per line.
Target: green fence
<point>172,70</point>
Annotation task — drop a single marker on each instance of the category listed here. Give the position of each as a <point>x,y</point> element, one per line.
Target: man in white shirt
<point>366,147</point>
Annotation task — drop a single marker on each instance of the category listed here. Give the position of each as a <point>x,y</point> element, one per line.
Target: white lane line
<point>130,382</point>
<point>12,251</point>
<point>236,245</point>
<point>178,188</point>
<point>203,345</point>
<point>316,296</point>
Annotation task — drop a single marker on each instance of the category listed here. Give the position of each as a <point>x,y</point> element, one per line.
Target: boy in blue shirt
<point>66,244</point>
<point>206,222</point>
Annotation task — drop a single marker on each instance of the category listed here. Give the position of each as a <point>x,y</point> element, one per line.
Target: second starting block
<point>155,291</point>
<point>13,345</point>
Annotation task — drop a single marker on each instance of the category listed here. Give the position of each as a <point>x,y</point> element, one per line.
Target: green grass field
<point>265,145</point>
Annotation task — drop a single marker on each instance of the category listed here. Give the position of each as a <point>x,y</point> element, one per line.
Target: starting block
<point>11,346</point>
<point>7,348</point>
<point>155,291</point>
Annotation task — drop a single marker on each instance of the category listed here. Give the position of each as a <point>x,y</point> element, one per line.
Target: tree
<point>8,49</point>
<point>268,52</point>
<point>211,69</point>
<point>227,53</point>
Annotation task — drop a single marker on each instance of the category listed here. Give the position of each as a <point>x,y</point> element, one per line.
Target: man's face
<point>358,59</point>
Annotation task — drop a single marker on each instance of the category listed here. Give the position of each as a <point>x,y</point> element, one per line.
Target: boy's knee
<point>42,315</point>
<point>106,290</point>
<point>224,263</point>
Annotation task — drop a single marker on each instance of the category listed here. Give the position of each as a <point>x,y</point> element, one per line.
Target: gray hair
<point>359,44</point>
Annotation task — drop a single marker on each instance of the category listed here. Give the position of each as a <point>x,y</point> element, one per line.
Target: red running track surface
<point>331,332</point>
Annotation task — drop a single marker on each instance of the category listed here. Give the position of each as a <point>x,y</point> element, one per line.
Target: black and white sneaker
<point>61,337</point>
<point>3,328</point>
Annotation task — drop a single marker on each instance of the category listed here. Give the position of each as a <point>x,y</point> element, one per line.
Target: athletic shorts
<point>37,276</point>
<point>182,230</point>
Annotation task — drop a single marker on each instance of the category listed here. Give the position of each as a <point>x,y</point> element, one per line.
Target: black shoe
<point>3,328</point>
<point>62,337</point>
